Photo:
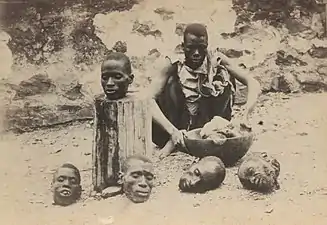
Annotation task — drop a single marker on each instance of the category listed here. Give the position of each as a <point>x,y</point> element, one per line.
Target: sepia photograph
<point>163,112</point>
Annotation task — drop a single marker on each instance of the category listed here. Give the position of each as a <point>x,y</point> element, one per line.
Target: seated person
<point>116,75</point>
<point>188,93</point>
<point>66,185</point>
<point>135,179</point>
<point>207,174</point>
<point>259,172</point>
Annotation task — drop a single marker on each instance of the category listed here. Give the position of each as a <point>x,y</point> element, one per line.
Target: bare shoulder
<point>163,69</point>
<point>166,66</point>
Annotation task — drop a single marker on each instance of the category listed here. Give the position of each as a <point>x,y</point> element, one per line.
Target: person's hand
<point>245,123</point>
<point>178,138</point>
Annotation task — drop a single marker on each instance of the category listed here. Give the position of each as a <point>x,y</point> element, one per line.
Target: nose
<point>110,82</point>
<point>196,53</point>
<point>66,182</point>
<point>143,183</point>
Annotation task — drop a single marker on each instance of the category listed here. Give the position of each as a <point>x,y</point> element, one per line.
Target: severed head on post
<point>116,75</point>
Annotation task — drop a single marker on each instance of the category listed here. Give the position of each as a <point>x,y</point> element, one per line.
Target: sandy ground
<point>294,130</point>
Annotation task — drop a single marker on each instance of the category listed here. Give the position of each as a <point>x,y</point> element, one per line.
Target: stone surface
<point>6,61</point>
<point>45,111</point>
<point>322,70</point>
<point>312,81</point>
<point>284,59</point>
<point>120,46</point>
<point>281,40</point>
<point>44,28</point>
<point>179,49</point>
<point>146,28</point>
<point>154,52</point>
<point>37,84</point>
<point>317,25</point>
<point>179,30</point>
<point>285,82</point>
<point>299,16</point>
<point>165,14</point>
<point>318,52</point>
<point>231,53</point>
<point>265,72</point>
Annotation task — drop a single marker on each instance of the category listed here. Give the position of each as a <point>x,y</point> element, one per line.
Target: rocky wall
<point>56,51</point>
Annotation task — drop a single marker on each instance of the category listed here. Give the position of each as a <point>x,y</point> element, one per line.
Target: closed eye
<point>136,174</point>
<point>104,77</point>
<point>60,179</point>
<point>118,76</point>
<point>149,177</point>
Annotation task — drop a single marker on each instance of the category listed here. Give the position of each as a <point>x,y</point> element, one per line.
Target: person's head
<point>116,75</point>
<point>207,174</point>
<point>66,185</point>
<point>195,44</point>
<point>259,173</point>
<point>137,178</point>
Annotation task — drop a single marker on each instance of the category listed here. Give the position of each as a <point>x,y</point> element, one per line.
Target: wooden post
<point>121,128</point>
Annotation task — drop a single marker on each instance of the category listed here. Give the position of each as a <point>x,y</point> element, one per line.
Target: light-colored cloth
<point>209,80</point>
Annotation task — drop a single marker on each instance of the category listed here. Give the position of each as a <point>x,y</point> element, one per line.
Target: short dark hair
<point>119,56</point>
<point>71,166</point>
<point>196,29</point>
<point>126,162</point>
<point>215,182</point>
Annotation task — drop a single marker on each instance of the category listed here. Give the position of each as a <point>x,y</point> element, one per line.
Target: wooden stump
<point>121,128</point>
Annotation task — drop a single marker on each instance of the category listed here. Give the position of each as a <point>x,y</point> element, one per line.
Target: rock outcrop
<point>281,43</point>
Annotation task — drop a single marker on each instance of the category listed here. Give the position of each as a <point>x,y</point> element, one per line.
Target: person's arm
<point>241,75</point>
<point>155,89</point>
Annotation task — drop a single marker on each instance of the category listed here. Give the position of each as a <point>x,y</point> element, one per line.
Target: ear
<point>120,178</point>
<point>79,193</point>
<point>131,78</point>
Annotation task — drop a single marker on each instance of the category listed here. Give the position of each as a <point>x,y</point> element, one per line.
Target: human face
<point>195,50</point>
<point>66,186</point>
<point>115,79</point>
<point>259,175</point>
<point>202,176</point>
<point>138,181</point>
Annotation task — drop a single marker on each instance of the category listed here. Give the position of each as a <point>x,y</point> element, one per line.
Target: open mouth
<point>185,185</point>
<point>110,91</point>
<point>65,192</point>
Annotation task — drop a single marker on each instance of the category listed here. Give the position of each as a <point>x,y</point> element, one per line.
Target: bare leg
<point>167,149</point>
<point>171,103</point>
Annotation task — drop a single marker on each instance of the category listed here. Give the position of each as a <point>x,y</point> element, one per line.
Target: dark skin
<point>259,173</point>
<point>115,78</point>
<point>66,187</point>
<point>195,51</point>
<point>137,180</point>
<point>203,176</point>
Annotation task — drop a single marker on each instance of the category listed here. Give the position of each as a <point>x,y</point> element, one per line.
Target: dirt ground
<point>294,130</point>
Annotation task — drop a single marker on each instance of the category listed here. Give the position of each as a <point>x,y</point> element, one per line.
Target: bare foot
<point>167,150</point>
